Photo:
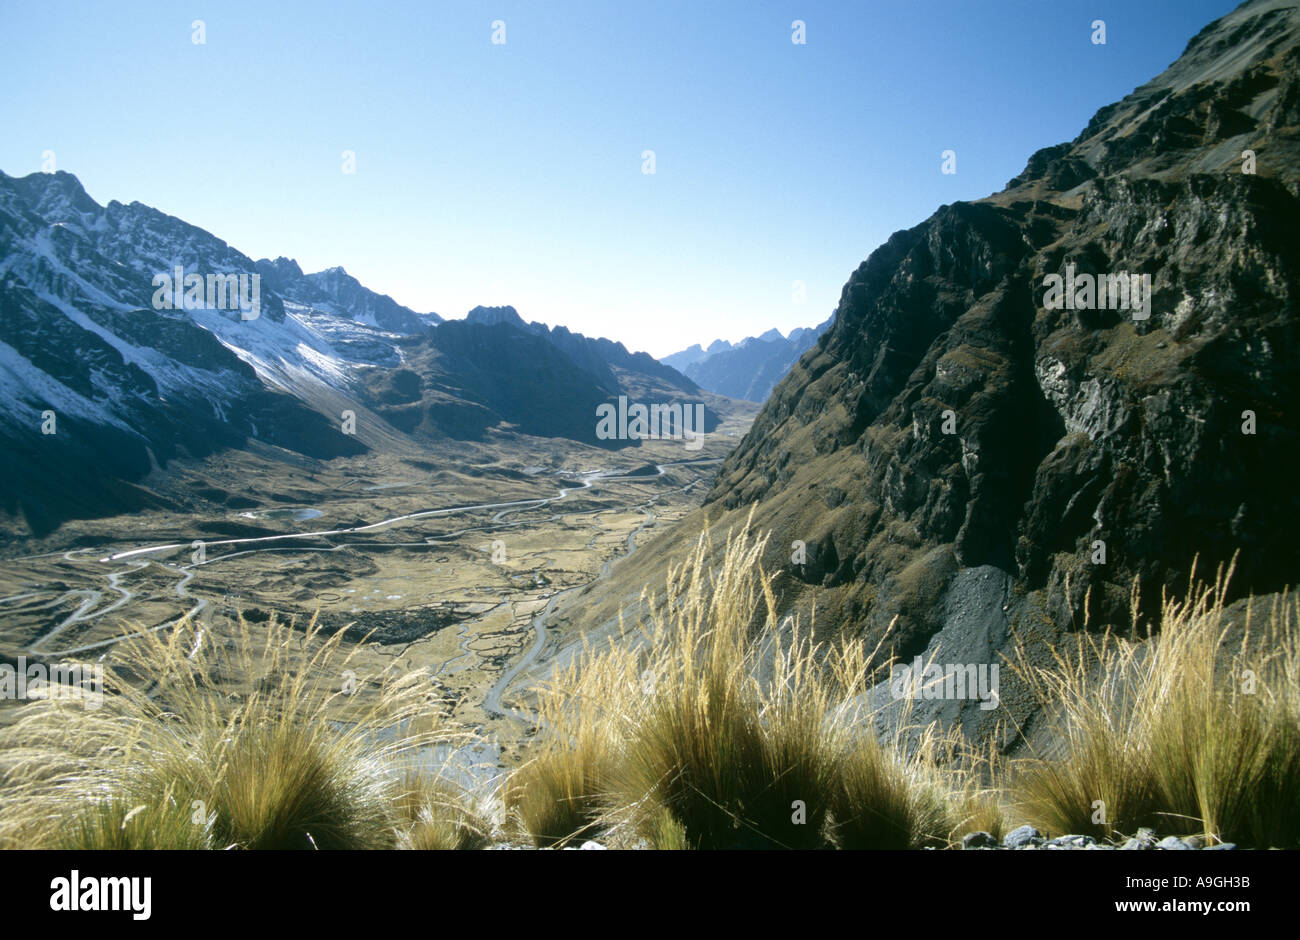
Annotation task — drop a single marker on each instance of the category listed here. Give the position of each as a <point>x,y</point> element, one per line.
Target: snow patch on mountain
<point>28,391</point>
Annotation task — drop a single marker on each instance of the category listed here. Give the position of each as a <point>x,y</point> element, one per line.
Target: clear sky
<point>495,173</point>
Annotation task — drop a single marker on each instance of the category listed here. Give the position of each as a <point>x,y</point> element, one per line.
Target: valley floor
<point>450,562</point>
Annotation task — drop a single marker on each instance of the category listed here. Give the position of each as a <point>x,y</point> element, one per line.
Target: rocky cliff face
<point>951,418</point>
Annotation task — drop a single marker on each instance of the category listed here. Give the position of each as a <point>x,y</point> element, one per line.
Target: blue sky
<point>512,173</point>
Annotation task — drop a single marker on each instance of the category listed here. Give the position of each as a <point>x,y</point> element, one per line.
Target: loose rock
<point>978,840</point>
<point>1022,836</point>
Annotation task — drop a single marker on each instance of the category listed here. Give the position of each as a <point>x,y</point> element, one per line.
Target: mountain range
<point>106,379</point>
<point>750,369</point>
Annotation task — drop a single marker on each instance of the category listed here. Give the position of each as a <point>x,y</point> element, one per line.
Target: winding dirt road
<point>88,609</point>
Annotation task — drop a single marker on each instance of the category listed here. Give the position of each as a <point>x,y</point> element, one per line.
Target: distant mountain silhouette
<point>751,368</point>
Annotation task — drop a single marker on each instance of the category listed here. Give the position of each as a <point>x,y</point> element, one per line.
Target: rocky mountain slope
<point>598,356</point>
<point>960,454</point>
<point>107,371</point>
<point>750,369</point>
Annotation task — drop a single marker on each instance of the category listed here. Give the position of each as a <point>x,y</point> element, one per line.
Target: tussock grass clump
<point>440,815</point>
<point>1186,732</point>
<point>896,795</point>
<point>732,740</point>
<point>718,726</point>
<point>249,741</point>
<point>111,823</point>
<point>980,809</point>
<point>664,832</point>
<point>978,801</point>
<point>556,796</point>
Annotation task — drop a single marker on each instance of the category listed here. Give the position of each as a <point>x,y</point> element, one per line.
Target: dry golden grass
<point>558,795</point>
<point>1182,732</point>
<point>439,815</point>
<point>731,737</point>
<point>717,726</point>
<point>114,823</point>
<point>916,787</point>
<point>554,798</point>
<point>712,725</point>
<point>251,741</point>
